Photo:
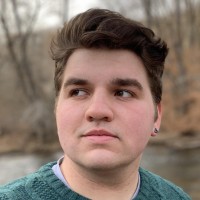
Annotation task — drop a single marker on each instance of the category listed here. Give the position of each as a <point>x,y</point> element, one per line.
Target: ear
<point>157,122</point>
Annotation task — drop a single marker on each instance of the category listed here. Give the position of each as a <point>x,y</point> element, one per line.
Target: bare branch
<point>17,17</point>
<point>147,5</point>
<point>32,21</point>
<point>21,60</point>
<point>10,46</point>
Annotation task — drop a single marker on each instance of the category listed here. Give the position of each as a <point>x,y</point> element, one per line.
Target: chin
<point>104,163</point>
<point>102,166</point>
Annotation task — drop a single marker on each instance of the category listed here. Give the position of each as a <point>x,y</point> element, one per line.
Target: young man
<point>108,104</point>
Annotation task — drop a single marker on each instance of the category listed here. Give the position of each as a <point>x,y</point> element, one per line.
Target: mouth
<point>100,135</point>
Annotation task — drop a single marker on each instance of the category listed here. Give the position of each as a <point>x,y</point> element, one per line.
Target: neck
<point>119,183</point>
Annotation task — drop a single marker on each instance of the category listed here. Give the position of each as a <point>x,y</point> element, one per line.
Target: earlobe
<point>157,122</point>
<point>155,131</point>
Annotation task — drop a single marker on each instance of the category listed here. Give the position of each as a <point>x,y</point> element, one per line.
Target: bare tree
<point>147,5</point>
<point>178,49</point>
<point>128,8</point>
<point>17,18</point>
<point>191,15</point>
<point>18,45</point>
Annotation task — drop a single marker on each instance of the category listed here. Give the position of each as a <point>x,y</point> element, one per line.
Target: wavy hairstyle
<point>105,29</point>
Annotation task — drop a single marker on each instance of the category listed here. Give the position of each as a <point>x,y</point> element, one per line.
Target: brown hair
<point>100,28</point>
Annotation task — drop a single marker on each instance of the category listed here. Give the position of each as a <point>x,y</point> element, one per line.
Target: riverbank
<point>15,142</point>
<point>180,167</point>
<point>21,143</point>
<point>177,141</point>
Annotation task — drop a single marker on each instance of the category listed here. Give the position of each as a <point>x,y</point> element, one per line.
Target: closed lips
<point>99,133</point>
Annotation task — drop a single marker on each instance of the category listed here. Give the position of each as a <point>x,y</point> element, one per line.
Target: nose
<point>99,109</point>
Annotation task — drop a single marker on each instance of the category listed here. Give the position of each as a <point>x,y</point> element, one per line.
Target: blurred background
<point>28,136</point>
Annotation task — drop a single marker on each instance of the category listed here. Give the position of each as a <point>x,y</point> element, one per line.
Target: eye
<point>77,92</point>
<point>124,93</point>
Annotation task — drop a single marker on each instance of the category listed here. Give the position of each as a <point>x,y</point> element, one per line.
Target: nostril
<point>90,119</point>
<point>107,119</point>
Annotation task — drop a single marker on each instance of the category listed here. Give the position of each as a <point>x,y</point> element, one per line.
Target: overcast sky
<point>49,14</point>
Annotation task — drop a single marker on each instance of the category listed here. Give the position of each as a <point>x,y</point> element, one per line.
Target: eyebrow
<point>127,82</point>
<point>116,82</point>
<point>75,81</point>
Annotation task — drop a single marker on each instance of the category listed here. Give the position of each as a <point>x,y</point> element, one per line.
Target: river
<point>180,166</point>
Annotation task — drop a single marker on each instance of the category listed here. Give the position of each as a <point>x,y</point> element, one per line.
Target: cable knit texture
<point>44,185</point>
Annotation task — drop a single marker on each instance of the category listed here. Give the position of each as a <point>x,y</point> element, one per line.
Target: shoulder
<point>21,188</point>
<point>14,189</point>
<point>159,188</point>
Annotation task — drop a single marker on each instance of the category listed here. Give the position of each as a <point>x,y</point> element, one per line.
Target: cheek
<point>68,118</point>
<point>140,122</point>
<point>64,119</point>
<point>64,112</point>
<point>138,132</point>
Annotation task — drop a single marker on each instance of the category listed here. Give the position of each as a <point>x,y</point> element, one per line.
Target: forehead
<point>101,64</point>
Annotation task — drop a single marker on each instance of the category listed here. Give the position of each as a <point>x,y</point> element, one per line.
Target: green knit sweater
<point>44,185</point>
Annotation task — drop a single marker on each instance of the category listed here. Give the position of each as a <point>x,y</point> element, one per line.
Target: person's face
<point>105,110</point>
